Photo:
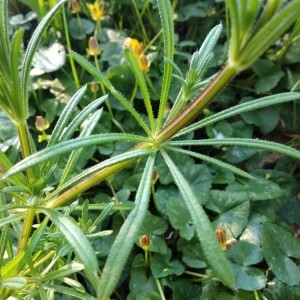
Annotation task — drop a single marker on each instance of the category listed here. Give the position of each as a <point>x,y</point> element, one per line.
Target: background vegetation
<point>140,164</point>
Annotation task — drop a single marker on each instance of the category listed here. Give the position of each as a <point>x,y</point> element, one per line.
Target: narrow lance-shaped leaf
<point>68,146</point>
<point>15,103</point>
<point>141,82</point>
<point>4,36</point>
<point>211,248</point>
<point>78,120</point>
<point>75,237</point>
<point>101,78</point>
<point>124,241</point>
<point>240,142</point>
<point>127,156</point>
<point>75,155</point>
<point>241,108</point>
<point>65,116</point>
<point>32,47</point>
<point>165,11</point>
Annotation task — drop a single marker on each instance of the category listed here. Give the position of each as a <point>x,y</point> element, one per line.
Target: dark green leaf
<point>179,217</point>
<point>269,74</point>
<point>162,265</point>
<point>279,290</point>
<point>192,253</point>
<point>260,189</point>
<point>140,283</point>
<point>278,246</point>
<point>249,278</point>
<point>184,289</point>
<point>266,118</point>
<point>245,253</point>
<point>234,219</point>
<point>238,154</point>
<point>80,28</point>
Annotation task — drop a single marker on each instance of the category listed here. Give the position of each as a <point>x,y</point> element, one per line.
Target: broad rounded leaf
<point>278,246</point>
<point>180,217</point>
<point>234,219</point>
<point>249,278</point>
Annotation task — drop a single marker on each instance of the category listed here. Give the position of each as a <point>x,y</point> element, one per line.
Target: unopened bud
<point>41,124</point>
<point>93,47</point>
<point>221,236</point>
<point>145,242</point>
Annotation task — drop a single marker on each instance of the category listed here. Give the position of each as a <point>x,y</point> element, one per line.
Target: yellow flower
<point>93,47</point>
<point>97,11</point>
<point>137,49</point>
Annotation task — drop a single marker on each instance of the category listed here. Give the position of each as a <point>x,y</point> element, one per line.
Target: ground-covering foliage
<point>148,149</point>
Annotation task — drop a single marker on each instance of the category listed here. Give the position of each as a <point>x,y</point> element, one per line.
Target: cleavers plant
<point>28,198</point>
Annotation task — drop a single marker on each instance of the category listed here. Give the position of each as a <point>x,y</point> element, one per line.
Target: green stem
<point>27,225</point>
<point>161,292</point>
<point>202,276</point>
<point>25,145</point>
<point>92,180</point>
<point>140,22</point>
<point>39,262</point>
<point>73,68</point>
<point>256,295</point>
<point>102,87</point>
<point>214,88</point>
<point>146,257</point>
<point>131,100</point>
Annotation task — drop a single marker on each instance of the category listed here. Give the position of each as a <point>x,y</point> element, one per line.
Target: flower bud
<point>221,236</point>
<point>145,242</point>
<point>75,7</point>
<point>93,47</point>
<point>41,124</point>
<point>94,87</point>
